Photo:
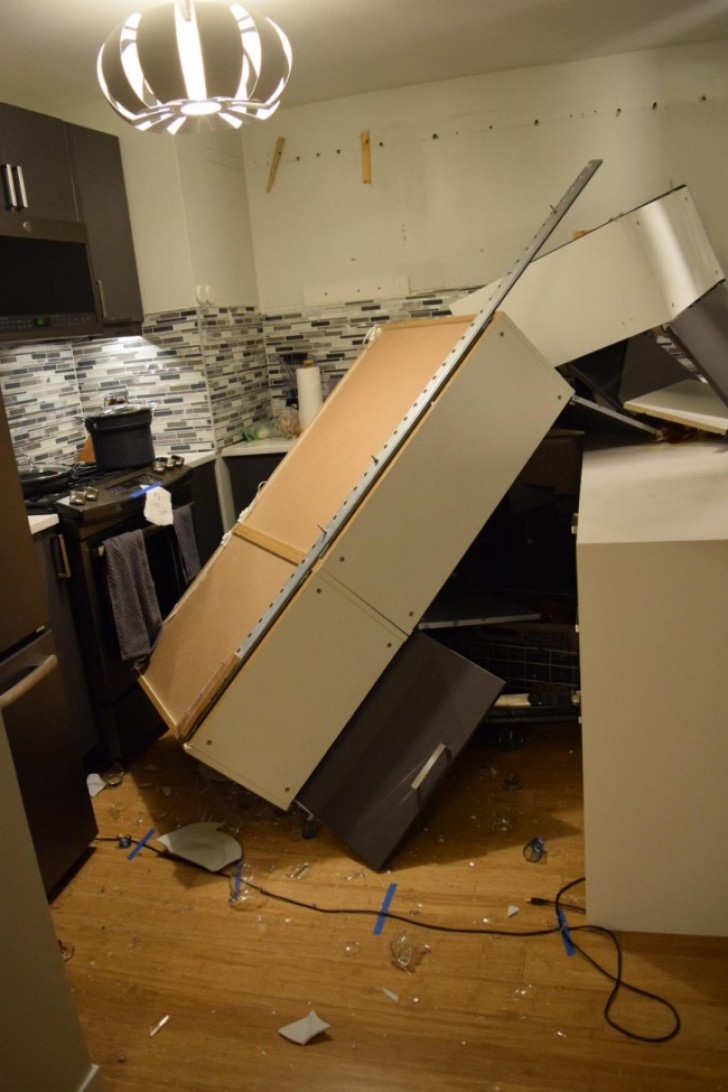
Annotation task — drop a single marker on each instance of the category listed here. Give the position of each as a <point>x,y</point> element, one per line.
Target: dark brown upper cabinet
<point>51,170</point>
<point>101,196</point>
<point>35,165</point>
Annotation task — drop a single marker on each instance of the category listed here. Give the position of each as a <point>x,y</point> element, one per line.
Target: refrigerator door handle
<point>26,684</point>
<point>63,565</point>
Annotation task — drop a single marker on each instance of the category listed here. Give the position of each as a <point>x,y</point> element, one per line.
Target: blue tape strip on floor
<point>140,844</point>
<point>565,934</point>
<point>379,925</point>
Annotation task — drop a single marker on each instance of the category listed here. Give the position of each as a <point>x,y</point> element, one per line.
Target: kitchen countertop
<point>198,458</point>
<point>42,523</point>
<point>275,446</point>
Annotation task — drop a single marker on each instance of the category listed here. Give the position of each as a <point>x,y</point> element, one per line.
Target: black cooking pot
<point>122,437</point>
<point>37,481</point>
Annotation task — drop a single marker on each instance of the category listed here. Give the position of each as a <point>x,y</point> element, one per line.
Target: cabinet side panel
<point>652,645</point>
<point>634,273</point>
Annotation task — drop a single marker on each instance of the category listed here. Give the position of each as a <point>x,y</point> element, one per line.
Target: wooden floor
<point>155,938</point>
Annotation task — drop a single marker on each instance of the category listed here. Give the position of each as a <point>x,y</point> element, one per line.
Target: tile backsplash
<point>334,335</point>
<point>208,372</point>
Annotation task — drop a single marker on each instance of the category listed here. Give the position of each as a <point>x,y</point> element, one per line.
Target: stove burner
<point>83,476</point>
<point>93,495</point>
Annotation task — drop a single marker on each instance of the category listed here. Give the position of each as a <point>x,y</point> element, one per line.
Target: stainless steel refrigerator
<point>33,703</point>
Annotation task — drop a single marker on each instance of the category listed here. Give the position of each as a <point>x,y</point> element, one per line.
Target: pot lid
<point>121,408</point>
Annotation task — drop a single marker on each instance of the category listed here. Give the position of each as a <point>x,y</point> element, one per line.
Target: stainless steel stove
<point>94,508</point>
<point>98,501</point>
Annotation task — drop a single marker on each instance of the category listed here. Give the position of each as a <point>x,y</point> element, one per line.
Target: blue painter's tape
<point>565,935</point>
<point>140,844</point>
<point>379,925</point>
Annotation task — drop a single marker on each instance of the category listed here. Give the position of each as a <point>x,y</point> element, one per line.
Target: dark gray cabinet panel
<point>36,161</point>
<point>380,773</point>
<point>702,331</point>
<point>99,181</point>
<point>246,474</point>
<point>206,510</point>
<point>53,564</point>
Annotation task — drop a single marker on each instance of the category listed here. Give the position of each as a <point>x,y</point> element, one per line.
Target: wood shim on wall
<point>277,153</point>
<point>366,157</point>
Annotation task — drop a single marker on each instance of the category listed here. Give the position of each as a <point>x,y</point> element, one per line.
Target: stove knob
<point>77,497</point>
<point>91,494</point>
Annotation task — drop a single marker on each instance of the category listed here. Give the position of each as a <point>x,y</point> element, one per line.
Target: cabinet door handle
<point>26,684</point>
<point>9,186</point>
<point>63,565</point>
<point>102,298</point>
<point>23,202</point>
<point>439,751</point>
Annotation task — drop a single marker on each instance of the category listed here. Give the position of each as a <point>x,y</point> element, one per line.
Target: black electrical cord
<point>561,927</point>
<point>617,979</point>
<point>361,911</point>
<point>407,920</point>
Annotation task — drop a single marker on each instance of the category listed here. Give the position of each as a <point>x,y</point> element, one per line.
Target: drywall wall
<point>463,171</point>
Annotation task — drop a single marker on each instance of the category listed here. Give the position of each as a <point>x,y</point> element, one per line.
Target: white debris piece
<point>302,1031</point>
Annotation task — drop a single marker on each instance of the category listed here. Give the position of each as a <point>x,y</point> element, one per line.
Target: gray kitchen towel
<point>133,596</point>
<point>185,529</point>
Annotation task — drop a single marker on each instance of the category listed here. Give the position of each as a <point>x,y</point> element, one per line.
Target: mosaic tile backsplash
<point>208,372</point>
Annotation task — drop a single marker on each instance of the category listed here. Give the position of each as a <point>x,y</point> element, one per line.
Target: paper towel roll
<point>310,395</point>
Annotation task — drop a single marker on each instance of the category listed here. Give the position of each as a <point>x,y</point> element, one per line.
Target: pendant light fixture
<point>184,66</point>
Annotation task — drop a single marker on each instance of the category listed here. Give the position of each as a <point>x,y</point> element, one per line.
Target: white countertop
<point>275,446</point>
<point>41,523</point>
<point>198,458</point>
<point>655,493</point>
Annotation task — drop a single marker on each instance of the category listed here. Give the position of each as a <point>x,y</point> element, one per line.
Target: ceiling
<point>346,47</point>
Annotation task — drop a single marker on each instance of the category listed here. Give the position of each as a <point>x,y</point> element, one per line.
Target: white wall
<point>464,170</point>
<point>215,199</point>
<point>463,175</point>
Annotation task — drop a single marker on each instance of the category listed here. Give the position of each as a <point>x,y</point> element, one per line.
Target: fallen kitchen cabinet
<point>291,623</point>
<point>634,273</point>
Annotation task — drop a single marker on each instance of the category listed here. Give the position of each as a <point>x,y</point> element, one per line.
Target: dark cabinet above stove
<point>102,204</point>
<point>36,166</point>
<point>54,171</point>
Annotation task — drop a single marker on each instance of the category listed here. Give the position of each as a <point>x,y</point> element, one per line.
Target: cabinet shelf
<point>462,604</point>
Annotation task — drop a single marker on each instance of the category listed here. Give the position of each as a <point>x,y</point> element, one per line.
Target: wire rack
<point>540,660</point>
